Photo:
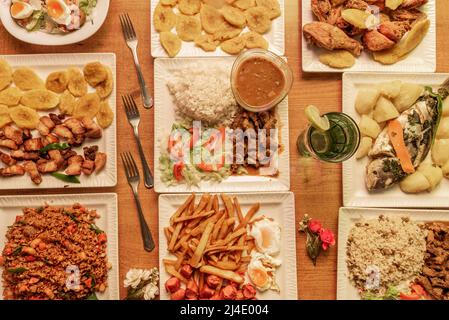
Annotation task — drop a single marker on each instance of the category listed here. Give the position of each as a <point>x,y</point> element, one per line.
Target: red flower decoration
<point>327,238</point>
<point>315,226</point>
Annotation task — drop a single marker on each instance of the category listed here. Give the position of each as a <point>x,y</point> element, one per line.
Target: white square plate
<point>355,193</point>
<point>164,117</point>
<point>43,64</point>
<point>275,38</point>
<point>279,206</point>
<point>422,59</point>
<point>106,206</point>
<point>348,217</point>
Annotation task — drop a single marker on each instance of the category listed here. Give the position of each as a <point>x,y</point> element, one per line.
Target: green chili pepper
<point>66,178</point>
<point>54,146</point>
<point>97,230</point>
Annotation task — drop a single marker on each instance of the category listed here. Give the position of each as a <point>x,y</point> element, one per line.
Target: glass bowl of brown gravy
<point>260,80</point>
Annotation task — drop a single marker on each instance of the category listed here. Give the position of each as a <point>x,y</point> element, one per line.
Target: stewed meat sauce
<point>259,81</point>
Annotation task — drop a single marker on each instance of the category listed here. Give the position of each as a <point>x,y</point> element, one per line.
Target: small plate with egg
<point>228,246</point>
<point>53,22</point>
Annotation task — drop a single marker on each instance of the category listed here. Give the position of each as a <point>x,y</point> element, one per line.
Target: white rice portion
<point>203,92</point>
<point>393,244</point>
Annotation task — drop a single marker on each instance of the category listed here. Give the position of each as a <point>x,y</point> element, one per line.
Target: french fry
<point>170,269</point>
<point>225,274</point>
<point>182,208</point>
<point>182,240</point>
<point>194,261</point>
<point>251,212</point>
<point>167,234</point>
<point>216,205</point>
<point>223,231</point>
<point>225,265</point>
<point>210,204</point>
<point>202,204</point>
<point>181,258</point>
<point>217,227</point>
<point>228,204</point>
<point>230,222</point>
<point>199,215</point>
<point>238,209</point>
<point>168,261</point>
<point>174,237</point>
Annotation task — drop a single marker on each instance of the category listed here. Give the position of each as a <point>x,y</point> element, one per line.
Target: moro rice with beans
<point>394,246</point>
<point>54,253</point>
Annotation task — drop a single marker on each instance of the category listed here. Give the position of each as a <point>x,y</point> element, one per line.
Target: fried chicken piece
<point>47,166</point>
<point>394,30</point>
<point>49,139</point>
<point>34,144</point>
<point>8,143</point>
<point>412,4</point>
<point>7,159</point>
<point>330,37</point>
<point>325,12</point>
<point>55,155</point>
<point>15,170</point>
<point>88,167</point>
<point>100,161</point>
<point>93,129</point>
<point>63,133</point>
<point>22,155</point>
<point>75,126</point>
<point>13,134</point>
<point>376,41</point>
<point>356,4</point>
<point>68,153</point>
<point>74,168</point>
<point>45,125</point>
<point>411,15</point>
<point>31,168</point>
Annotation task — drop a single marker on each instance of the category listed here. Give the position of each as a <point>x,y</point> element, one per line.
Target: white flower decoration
<point>133,278</point>
<point>151,291</point>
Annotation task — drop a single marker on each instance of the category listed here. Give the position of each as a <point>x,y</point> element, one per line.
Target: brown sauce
<point>259,81</point>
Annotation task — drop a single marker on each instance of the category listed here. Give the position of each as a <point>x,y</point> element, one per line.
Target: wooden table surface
<point>317,186</point>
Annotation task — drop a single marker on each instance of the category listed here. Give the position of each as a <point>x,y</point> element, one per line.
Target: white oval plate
<point>98,17</point>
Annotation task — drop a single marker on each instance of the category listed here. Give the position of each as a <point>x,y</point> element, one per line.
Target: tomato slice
<point>412,296</point>
<point>211,167</point>
<point>177,171</point>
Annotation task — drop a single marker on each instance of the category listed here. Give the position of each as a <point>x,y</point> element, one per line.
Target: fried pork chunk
<point>435,273</point>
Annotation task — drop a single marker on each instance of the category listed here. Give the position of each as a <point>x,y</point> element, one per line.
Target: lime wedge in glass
<point>316,120</point>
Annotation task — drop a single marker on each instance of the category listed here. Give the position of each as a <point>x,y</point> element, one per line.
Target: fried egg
<point>261,271</point>
<point>59,12</point>
<point>21,10</point>
<point>267,236</point>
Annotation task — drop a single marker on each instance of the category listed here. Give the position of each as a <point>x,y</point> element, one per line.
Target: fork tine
<point>131,27</point>
<point>131,168</point>
<point>128,107</point>
<point>125,166</point>
<point>134,105</point>
<point>125,104</point>
<point>122,22</point>
<point>134,165</point>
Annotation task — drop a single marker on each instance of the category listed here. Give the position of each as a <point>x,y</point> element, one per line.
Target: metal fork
<point>133,115</point>
<point>131,41</point>
<point>133,176</point>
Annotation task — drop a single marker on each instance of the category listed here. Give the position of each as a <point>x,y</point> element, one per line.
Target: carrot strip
<point>396,134</point>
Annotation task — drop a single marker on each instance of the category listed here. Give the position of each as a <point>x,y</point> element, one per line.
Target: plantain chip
<point>5,74</point>
<point>40,99</point>
<point>87,106</point>
<point>105,116</point>
<point>24,117</point>
<point>10,96</point>
<point>57,81</point>
<point>77,85</point>
<point>26,79</point>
